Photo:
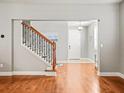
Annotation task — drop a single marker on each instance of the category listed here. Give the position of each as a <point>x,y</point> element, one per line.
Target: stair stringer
<point>37,56</point>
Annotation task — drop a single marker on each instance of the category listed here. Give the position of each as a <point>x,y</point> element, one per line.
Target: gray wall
<point>84,43</point>
<point>91,51</point>
<point>93,41</point>
<point>59,28</point>
<point>122,37</point>
<point>108,27</point>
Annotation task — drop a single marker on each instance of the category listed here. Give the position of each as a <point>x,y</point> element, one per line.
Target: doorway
<point>83,40</point>
<point>63,47</point>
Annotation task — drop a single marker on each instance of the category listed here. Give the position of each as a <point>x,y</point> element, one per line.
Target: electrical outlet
<point>1,65</point>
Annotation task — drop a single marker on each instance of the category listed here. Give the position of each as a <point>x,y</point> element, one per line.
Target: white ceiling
<point>61,1</point>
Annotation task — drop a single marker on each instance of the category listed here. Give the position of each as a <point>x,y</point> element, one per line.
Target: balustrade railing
<point>39,43</point>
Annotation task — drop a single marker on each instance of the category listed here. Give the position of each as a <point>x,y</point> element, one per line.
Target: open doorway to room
<point>75,40</point>
<point>83,41</point>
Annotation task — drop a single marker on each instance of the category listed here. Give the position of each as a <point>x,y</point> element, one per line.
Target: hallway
<point>71,78</point>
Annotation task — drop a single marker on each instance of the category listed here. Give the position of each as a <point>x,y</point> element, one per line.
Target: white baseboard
<point>28,73</point>
<point>81,60</point>
<point>5,73</point>
<point>87,60</point>
<point>112,74</point>
<point>54,73</point>
<point>121,75</point>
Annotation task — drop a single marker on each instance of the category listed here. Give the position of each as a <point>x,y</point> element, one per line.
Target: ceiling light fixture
<point>80,27</point>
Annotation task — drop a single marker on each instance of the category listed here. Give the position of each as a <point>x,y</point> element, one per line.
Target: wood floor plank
<point>71,78</point>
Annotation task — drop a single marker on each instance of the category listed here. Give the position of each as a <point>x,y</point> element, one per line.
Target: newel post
<point>54,55</point>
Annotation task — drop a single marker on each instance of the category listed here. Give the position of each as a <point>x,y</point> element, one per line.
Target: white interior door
<point>74,46</point>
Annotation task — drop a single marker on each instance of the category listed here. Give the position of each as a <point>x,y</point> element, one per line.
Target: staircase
<point>38,43</point>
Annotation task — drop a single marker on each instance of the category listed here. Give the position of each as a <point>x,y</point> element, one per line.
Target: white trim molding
<point>87,60</point>
<point>34,73</point>
<point>61,1</point>
<point>49,73</point>
<point>112,74</point>
<point>121,75</point>
<point>5,73</point>
<point>81,60</point>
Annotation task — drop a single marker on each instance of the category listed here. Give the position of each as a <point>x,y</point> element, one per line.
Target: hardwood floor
<point>71,78</point>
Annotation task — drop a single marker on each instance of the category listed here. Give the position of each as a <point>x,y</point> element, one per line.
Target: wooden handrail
<point>37,32</point>
<point>52,43</point>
